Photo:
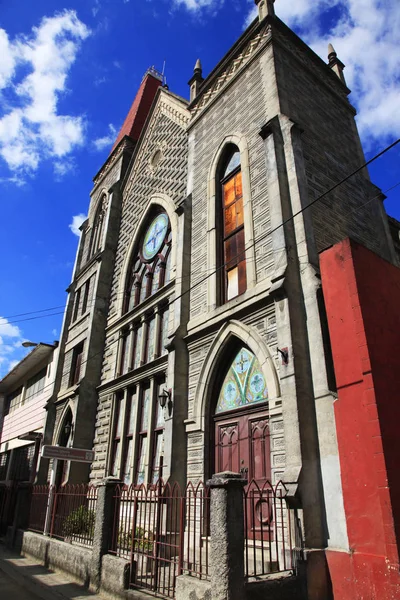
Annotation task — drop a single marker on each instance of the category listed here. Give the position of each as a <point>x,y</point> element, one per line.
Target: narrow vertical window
<point>144,415</point>
<point>158,439</point>
<point>164,332</point>
<point>76,364</point>
<point>231,229</point>
<point>116,446</point>
<point>128,446</point>
<point>98,228</point>
<point>76,305</point>
<point>125,352</point>
<point>137,357</point>
<point>150,339</point>
<point>86,290</point>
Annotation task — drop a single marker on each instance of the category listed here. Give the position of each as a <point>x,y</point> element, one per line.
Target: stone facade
<point>155,359</point>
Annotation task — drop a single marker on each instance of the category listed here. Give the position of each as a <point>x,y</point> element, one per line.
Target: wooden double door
<point>242,445</point>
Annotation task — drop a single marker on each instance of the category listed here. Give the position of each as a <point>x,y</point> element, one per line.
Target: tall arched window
<point>230,230</point>
<point>98,227</point>
<point>150,264</point>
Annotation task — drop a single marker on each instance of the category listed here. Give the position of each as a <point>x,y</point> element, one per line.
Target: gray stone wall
<point>316,100</point>
<point>243,109</point>
<point>102,437</point>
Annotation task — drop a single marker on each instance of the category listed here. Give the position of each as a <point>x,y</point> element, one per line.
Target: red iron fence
<point>39,502</point>
<point>273,539</point>
<point>71,516</point>
<point>163,531</point>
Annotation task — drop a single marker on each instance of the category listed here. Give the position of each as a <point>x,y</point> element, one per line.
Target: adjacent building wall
<point>362,296</point>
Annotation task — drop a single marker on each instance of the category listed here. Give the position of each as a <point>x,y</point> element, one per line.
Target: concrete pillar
<point>227,536</point>
<point>103,526</point>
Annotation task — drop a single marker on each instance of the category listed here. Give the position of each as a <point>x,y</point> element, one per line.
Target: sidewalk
<point>39,581</point>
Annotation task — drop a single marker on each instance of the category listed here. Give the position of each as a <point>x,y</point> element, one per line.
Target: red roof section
<point>139,110</point>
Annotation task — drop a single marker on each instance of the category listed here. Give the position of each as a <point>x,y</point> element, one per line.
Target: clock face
<point>154,237</point>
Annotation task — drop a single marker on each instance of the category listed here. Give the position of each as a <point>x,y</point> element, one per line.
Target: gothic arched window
<point>244,383</point>
<point>150,265</point>
<point>230,227</point>
<point>98,228</point>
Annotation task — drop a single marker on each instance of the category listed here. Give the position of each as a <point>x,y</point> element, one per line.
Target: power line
<point>253,244</point>
<point>335,186</point>
<point>262,237</point>
<point>32,312</point>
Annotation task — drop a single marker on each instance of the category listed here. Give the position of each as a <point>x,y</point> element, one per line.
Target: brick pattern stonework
<point>166,133</point>
<point>243,110</point>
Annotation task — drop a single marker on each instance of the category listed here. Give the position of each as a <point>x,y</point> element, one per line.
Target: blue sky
<point>68,74</point>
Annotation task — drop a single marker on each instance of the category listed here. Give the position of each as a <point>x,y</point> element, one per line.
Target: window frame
<point>223,237</point>
<point>128,465</point>
<point>141,271</point>
<point>76,364</point>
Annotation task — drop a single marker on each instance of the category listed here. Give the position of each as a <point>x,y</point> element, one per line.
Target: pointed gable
<point>139,110</point>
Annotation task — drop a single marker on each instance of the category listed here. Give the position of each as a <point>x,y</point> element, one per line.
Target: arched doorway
<point>64,439</point>
<point>241,420</point>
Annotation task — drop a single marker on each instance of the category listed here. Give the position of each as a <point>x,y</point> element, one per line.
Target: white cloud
<point>77,221</point>
<point>31,129</point>
<point>10,346</point>
<point>197,5</point>
<point>8,329</point>
<point>63,167</point>
<point>366,36</point>
<point>107,140</point>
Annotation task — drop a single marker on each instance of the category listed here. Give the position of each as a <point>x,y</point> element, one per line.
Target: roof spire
<point>196,80</point>
<point>335,64</point>
<point>139,110</point>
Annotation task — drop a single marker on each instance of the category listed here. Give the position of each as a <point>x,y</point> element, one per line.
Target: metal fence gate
<point>8,498</point>
<point>163,531</point>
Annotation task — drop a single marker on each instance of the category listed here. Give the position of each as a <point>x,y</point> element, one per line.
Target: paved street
<point>11,590</point>
<point>24,578</point>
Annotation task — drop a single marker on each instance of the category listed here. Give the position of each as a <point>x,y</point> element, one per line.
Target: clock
<point>155,235</point>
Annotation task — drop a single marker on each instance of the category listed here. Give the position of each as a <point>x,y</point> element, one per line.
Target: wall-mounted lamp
<point>165,398</point>
<point>68,429</point>
<point>284,352</point>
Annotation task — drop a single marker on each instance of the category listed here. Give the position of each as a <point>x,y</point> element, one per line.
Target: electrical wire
<point>171,302</point>
<point>292,217</point>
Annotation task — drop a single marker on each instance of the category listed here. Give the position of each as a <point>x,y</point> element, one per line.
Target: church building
<point>196,337</point>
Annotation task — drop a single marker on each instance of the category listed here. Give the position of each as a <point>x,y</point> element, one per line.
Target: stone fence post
<point>227,536</point>
<point>103,526</point>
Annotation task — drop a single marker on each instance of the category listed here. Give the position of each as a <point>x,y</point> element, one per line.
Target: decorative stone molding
<point>229,72</point>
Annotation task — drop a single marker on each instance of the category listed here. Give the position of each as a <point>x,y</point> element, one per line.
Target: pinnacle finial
<point>265,8</point>
<point>331,50</point>
<point>197,66</point>
<point>335,64</point>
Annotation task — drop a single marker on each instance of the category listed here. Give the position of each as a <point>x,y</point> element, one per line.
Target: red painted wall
<point>362,298</point>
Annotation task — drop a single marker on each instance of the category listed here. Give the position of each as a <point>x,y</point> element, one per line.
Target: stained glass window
<point>244,383</point>
<point>150,340</point>
<point>151,257</point>
<point>138,348</point>
<point>231,230</point>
